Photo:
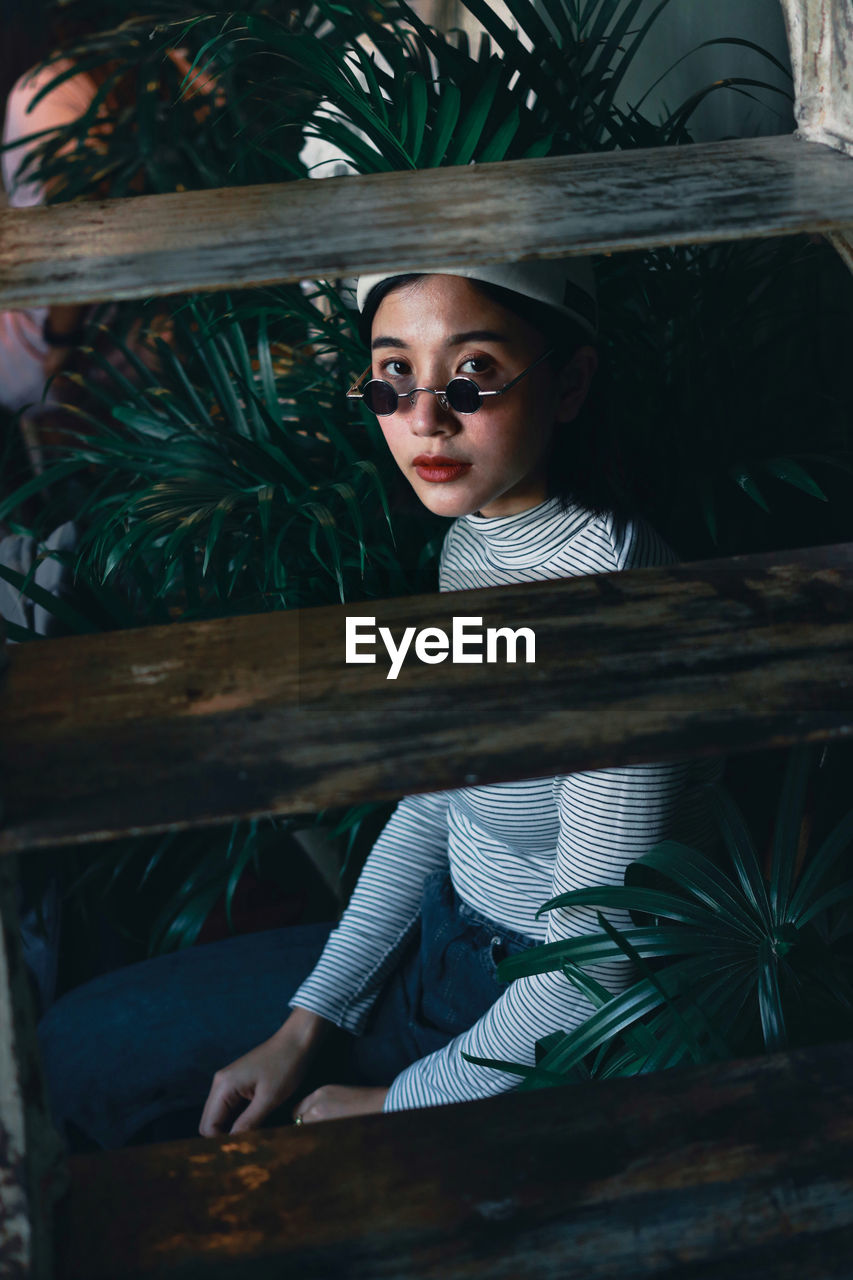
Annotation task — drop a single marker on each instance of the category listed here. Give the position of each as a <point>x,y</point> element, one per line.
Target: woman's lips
<point>436,468</point>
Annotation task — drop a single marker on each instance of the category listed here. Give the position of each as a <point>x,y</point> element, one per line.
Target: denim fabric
<point>132,1048</point>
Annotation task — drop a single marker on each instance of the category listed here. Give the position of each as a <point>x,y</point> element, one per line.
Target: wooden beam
<point>203,722</point>
<point>742,1170</point>
<point>545,208</point>
<point>32,1174</point>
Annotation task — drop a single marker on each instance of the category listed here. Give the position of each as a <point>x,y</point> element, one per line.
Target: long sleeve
<point>365,946</point>
<point>607,818</point>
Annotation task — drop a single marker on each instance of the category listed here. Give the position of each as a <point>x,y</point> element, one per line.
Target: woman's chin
<point>448,498</point>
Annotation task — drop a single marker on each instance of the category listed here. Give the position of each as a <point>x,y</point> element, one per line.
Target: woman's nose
<point>427,417</point>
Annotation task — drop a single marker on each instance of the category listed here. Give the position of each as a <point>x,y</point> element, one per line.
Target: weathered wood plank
<point>202,722</point>
<point>31,1171</point>
<point>550,207</point>
<point>743,1170</point>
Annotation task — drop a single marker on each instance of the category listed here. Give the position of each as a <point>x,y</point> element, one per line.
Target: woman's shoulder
<point>628,542</point>
<point>551,540</point>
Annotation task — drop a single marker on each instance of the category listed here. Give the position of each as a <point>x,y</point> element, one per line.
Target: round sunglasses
<point>462,395</point>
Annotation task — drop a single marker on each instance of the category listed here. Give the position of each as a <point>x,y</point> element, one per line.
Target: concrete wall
<point>682,27</point>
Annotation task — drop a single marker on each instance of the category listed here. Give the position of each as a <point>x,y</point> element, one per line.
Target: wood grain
<point>32,1172</point>
<point>545,208</point>
<point>742,1171</point>
<point>199,723</point>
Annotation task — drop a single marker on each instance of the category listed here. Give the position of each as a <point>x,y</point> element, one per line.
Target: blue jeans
<point>134,1051</point>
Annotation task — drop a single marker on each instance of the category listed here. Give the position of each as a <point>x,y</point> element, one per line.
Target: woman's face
<point>492,461</point>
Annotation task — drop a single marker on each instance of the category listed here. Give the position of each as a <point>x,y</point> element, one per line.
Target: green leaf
<point>676,122</point>
<point>648,973</point>
<point>417,105</point>
<point>541,147</point>
<point>54,605</point>
<point>770,1000</point>
<point>841,893</point>
<point>471,128</point>
<point>789,823</point>
<point>744,479</point>
<point>819,867</point>
<point>377,98</point>
<point>699,876</point>
<point>246,853</point>
<point>604,1025</point>
<point>50,476</point>
<point>445,123</point>
<point>652,901</point>
<point>497,148</point>
<point>792,473</point>
<point>217,521</point>
<point>517,58</point>
<point>742,852</point>
<point>557,11</point>
<point>733,40</point>
<point>608,76</point>
<point>638,1036</point>
<point>514,1068</point>
<point>595,947</point>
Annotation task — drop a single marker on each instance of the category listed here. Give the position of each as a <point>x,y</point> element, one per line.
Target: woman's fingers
<point>259,1107</point>
<point>224,1102</point>
<point>333,1101</point>
<point>247,1090</point>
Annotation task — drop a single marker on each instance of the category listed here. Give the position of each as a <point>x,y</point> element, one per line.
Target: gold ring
<point>297,1120</point>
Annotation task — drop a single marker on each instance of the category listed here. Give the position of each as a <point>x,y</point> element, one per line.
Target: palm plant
<point>226,482</point>
<point>732,958</point>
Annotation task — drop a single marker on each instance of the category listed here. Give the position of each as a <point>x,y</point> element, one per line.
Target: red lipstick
<point>437,467</point>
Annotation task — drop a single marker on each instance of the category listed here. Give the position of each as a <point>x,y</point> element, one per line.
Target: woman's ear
<point>575,379</point>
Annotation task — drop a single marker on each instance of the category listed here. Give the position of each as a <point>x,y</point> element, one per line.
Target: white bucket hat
<point>565,284</point>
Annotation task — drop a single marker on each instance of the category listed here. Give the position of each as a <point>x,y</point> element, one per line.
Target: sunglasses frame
<point>354,394</point>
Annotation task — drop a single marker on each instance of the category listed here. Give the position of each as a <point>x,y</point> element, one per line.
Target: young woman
<point>479,380</point>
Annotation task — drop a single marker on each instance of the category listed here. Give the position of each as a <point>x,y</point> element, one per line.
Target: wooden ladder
<point>739,1170</point>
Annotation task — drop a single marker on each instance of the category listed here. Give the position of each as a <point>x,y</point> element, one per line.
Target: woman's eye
<point>394,369</point>
<point>475,364</point>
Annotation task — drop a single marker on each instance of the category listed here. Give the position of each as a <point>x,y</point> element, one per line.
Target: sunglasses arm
<point>354,393</point>
<point>523,374</point>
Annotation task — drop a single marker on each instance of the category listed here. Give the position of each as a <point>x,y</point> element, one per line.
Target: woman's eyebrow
<point>476,335</point>
<point>387,342</point>
<point>455,339</point>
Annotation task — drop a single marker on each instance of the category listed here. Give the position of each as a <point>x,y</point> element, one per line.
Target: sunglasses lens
<point>380,397</point>
<point>463,395</point>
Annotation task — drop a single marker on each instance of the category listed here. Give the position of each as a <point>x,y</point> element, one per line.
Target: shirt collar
<point>535,534</point>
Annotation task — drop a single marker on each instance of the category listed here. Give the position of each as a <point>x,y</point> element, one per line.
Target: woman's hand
<point>333,1101</point>
<point>247,1090</point>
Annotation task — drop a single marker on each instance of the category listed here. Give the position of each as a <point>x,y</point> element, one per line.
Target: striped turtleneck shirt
<point>511,846</point>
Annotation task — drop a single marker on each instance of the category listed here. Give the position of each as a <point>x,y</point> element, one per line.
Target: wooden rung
<point>739,1170</point>
<point>203,722</point>
<point>32,1171</point>
<point>545,208</point>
